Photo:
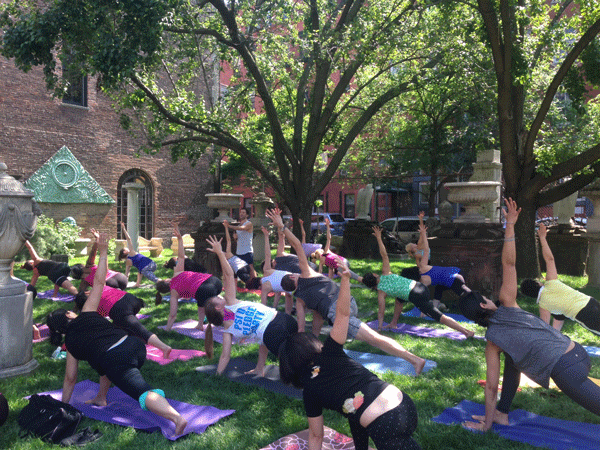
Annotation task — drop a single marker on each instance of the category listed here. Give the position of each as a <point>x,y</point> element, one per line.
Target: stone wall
<point>33,126</point>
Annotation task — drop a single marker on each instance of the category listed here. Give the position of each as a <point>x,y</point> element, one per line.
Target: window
<point>146,202</point>
<point>349,202</point>
<point>424,187</point>
<point>76,92</point>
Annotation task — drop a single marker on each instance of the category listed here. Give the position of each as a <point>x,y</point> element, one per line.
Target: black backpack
<point>49,419</point>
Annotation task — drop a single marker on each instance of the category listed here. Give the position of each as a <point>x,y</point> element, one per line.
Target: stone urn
<point>18,218</point>
<point>223,203</point>
<point>472,195</point>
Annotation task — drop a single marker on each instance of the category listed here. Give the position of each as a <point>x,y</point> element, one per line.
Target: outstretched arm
<point>280,243</point>
<point>551,272</point>
<point>229,287</point>
<point>267,265</point>
<point>422,243</point>
<point>228,252</point>
<point>225,353</point>
<point>275,216</point>
<point>92,256</point>
<point>130,246</point>
<point>302,231</point>
<point>508,290</point>
<point>93,299</point>
<point>328,241</point>
<point>339,332</point>
<point>32,253</point>
<point>180,266</point>
<point>385,260</point>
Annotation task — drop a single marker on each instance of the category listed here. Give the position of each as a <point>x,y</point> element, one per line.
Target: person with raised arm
<point>244,234</point>
<point>308,247</point>
<point>184,284</point>
<point>557,300</point>
<point>330,379</point>
<point>326,257</point>
<point>145,266</point>
<point>320,294</point>
<point>56,272</point>
<point>404,290</point>
<point>528,343</point>
<point>86,273</point>
<point>116,356</point>
<point>241,269</point>
<point>243,319</point>
<point>271,281</point>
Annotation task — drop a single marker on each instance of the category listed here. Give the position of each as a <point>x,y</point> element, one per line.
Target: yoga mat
<point>382,363</point>
<point>242,290</point>
<point>167,299</point>
<point>188,328</point>
<point>414,330</point>
<point>530,428</point>
<point>332,440</point>
<point>156,355</point>
<point>125,411</point>
<point>236,369</point>
<point>592,351</point>
<point>416,312</point>
<point>142,316</point>
<point>60,297</point>
<point>44,333</point>
<point>528,382</point>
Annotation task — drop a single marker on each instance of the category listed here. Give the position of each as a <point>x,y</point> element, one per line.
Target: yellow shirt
<point>558,298</point>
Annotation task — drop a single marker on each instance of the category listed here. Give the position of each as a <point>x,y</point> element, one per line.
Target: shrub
<point>52,238</point>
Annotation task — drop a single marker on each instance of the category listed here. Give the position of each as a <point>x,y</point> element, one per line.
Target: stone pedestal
<point>16,331</point>
<point>133,212</point>
<point>201,254</point>
<point>592,191</point>
<point>358,241</point>
<point>261,202</point>
<point>223,203</point>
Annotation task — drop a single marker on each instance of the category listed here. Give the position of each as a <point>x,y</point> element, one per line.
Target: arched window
<point>146,198</point>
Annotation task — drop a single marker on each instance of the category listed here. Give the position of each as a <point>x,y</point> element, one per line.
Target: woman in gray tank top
<point>530,345</point>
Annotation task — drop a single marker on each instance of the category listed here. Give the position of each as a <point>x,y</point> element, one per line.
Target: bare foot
<point>200,326</point>
<point>499,418</point>
<point>180,425</point>
<point>136,285</point>
<point>97,401</point>
<point>255,371</point>
<point>166,352</point>
<point>419,366</point>
<point>390,326</point>
<point>469,333</point>
<point>36,333</point>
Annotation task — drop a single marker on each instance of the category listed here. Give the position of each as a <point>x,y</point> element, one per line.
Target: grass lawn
<point>263,417</point>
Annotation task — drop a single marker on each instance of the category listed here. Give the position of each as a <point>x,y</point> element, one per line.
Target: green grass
<point>262,417</point>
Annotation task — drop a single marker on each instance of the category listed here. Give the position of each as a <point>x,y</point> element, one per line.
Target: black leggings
<point>390,431</point>
<point>589,316</point>
<point>123,316</point>
<point>211,287</point>
<point>419,296</point>
<point>281,327</point>
<point>119,281</point>
<point>457,288</point>
<point>570,374</point>
<point>122,366</point>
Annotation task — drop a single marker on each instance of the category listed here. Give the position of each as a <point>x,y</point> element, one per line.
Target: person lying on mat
<point>116,356</point>
<point>558,300</point>
<point>271,281</point>
<point>242,270</point>
<point>145,266</point>
<point>122,308</point>
<point>86,273</point>
<point>529,344</point>
<point>438,276</point>
<point>57,272</point>
<point>243,320</point>
<point>185,284</point>
<point>330,379</point>
<point>325,256</point>
<point>404,290</point>
<point>319,293</point>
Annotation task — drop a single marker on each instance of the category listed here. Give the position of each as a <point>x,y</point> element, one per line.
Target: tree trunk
<point>528,265</point>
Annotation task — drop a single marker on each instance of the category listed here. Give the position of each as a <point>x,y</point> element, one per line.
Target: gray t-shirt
<point>534,346</point>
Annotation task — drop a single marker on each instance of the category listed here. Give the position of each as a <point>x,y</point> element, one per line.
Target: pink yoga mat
<point>299,441</point>
<point>156,355</point>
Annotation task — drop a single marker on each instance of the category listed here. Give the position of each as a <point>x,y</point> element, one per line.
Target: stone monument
<point>592,191</point>
<point>261,202</point>
<point>363,202</point>
<point>358,240</point>
<point>18,218</point>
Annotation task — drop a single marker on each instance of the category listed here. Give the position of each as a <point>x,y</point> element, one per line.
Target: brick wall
<point>33,126</point>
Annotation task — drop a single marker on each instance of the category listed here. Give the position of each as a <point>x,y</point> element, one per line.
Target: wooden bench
<point>188,244</point>
<point>154,246</point>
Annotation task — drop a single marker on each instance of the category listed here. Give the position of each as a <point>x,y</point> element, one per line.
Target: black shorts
<point>209,288</point>
<point>281,327</point>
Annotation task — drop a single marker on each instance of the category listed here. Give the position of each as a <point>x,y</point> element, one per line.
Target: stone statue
<point>363,202</point>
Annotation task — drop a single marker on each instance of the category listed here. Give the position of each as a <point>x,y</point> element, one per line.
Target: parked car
<point>406,229</point>
<point>337,222</point>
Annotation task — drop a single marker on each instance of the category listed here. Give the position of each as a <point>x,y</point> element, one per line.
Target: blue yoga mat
<point>416,312</point>
<point>530,428</point>
<point>592,351</point>
<point>383,363</point>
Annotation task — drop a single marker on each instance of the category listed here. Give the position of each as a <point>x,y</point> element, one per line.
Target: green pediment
<point>62,179</point>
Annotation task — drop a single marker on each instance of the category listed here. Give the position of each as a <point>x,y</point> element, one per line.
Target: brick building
<point>34,126</point>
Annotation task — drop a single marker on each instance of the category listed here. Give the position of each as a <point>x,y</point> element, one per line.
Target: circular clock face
<point>65,174</point>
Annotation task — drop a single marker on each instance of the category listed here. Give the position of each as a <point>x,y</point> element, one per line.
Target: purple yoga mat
<point>60,297</point>
<point>404,328</point>
<point>44,333</point>
<point>125,411</point>
<point>188,328</point>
